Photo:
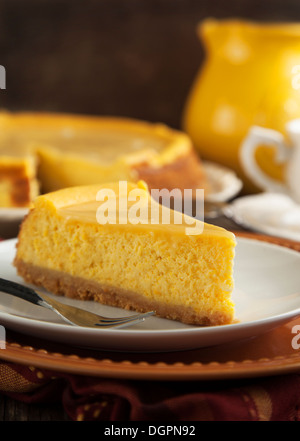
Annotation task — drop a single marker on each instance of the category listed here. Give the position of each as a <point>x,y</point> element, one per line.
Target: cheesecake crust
<point>63,284</point>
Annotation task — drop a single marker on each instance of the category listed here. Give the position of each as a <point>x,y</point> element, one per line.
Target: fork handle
<point>23,292</point>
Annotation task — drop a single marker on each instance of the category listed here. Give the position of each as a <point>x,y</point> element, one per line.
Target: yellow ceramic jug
<point>250,76</point>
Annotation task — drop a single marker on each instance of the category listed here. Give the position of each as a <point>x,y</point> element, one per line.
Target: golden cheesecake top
<point>99,138</point>
<point>125,205</point>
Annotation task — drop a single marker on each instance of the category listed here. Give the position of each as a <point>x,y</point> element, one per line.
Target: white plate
<point>223,182</point>
<point>270,213</point>
<point>267,294</point>
<point>13,214</point>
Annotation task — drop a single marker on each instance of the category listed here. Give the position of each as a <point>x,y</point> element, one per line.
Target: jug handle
<point>261,136</point>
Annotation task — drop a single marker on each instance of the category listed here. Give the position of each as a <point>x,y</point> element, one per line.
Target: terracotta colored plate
<point>269,354</point>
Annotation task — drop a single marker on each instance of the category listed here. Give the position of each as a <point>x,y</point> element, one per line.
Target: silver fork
<point>70,314</point>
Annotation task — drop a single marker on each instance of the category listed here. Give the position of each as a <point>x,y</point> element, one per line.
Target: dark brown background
<point>133,58</point>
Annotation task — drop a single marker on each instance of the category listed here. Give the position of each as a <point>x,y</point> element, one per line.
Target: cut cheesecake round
<point>116,245</point>
<point>72,150</point>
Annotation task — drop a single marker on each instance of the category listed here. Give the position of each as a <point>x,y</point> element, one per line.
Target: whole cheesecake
<point>116,245</point>
<point>72,150</point>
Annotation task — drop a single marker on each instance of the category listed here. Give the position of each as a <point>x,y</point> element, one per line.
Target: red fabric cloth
<point>89,398</point>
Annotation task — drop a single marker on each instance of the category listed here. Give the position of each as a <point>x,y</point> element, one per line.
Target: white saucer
<point>269,213</point>
<point>223,181</point>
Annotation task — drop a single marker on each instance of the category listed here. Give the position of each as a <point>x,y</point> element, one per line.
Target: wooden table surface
<point>12,410</point>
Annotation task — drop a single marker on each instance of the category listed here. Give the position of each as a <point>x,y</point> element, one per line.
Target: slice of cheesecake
<point>116,245</point>
<point>72,150</point>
